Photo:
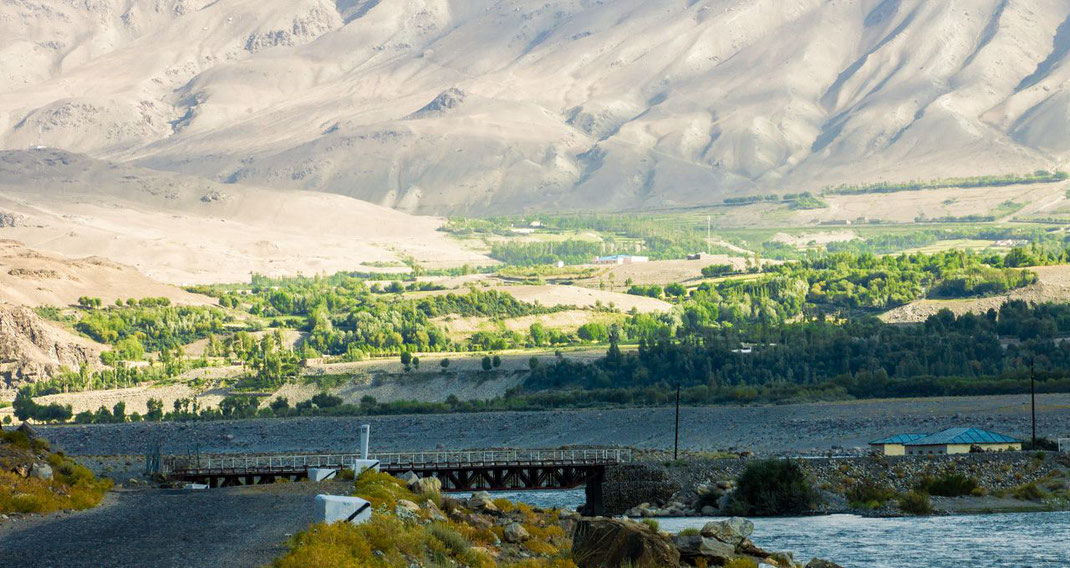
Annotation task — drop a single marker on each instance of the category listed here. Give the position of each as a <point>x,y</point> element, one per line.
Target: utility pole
<point>676,438</point>
<point>1033,401</point>
<point>708,233</point>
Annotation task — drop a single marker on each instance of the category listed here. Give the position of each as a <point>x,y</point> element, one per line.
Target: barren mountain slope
<point>181,229</point>
<point>506,105</point>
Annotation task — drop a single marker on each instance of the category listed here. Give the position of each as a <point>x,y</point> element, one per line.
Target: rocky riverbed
<point>815,428</point>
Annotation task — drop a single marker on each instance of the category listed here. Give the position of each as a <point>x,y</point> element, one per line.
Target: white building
<point>620,259</point>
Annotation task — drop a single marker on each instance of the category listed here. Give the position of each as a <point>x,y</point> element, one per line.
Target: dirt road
<point>233,527</point>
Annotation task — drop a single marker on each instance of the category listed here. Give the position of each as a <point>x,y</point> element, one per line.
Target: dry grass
<point>72,486</point>
<point>388,540</point>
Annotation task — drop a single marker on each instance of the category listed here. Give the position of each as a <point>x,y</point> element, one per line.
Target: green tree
<point>486,363</point>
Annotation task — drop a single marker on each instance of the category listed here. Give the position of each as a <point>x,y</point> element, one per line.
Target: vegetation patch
<point>773,487</point>
<point>33,480</point>
<point>443,532</point>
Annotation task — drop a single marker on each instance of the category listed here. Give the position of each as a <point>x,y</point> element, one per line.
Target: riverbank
<point>873,485</point>
<point>795,429</point>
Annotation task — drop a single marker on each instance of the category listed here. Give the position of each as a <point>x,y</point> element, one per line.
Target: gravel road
<point>230,527</point>
<point>764,429</point>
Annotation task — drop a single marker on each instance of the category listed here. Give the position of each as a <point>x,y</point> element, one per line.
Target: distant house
<point>620,259</point>
<point>895,445</point>
<point>949,441</point>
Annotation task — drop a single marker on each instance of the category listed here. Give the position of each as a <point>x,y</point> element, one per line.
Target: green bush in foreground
<point>948,485</point>
<point>916,503</point>
<point>869,495</point>
<point>773,487</point>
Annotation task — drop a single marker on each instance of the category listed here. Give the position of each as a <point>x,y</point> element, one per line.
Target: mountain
<point>477,106</point>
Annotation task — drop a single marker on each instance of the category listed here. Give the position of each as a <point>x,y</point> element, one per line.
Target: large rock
<point>731,531</point>
<point>482,501</point>
<point>41,471</point>
<point>819,563</point>
<point>426,486</point>
<point>610,543</point>
<point>515,533</point>
<point>28,430</point>
<point>693,547</point>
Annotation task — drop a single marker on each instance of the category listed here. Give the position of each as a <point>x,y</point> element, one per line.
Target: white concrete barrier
<point>361,465</point>
<point>335,508</point>
<point>321,473</point>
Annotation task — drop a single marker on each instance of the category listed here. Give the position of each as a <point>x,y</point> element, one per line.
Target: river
<point>1007,540</point>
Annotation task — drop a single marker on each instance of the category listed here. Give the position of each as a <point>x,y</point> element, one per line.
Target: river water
<point>1008,540</point>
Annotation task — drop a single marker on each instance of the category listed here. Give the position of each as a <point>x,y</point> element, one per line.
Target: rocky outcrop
<point>32,349</point>
<point>610,543</point>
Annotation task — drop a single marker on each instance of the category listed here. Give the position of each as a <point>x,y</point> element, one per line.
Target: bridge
<point>476,470</point>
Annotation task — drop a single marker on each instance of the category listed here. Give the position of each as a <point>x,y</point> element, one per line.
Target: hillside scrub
<point>1039,176</point>
<point>409,529</point>
<point>26,488</point>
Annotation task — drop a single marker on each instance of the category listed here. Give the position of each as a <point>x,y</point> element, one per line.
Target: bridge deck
<point>534,469</point>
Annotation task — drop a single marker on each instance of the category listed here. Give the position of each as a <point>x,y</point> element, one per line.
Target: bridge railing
<point>502,457</point>
<point>396,460</point>
<point>260,463</point>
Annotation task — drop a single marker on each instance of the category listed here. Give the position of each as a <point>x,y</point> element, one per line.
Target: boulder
<point>434,512</point>
<point>693,547</point>
<point>482,501</point>
<point>409,506</point>
<point>708,511</point>
<point>426,486</point>
<point>745,546</point>
<point>409,477</point>
<point>731,531</point>
<point>599,542</point>
<point>819,563</point>
<point>515,533</point>
<point>28,430</point>
<point>41,471</point>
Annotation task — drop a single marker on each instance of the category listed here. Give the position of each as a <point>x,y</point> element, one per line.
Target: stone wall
<point>628,485</point>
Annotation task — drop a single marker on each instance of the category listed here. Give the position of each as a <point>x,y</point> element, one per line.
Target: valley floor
<point>795,428</point>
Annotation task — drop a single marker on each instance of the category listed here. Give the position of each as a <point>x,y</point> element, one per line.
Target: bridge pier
<point>593,505</point>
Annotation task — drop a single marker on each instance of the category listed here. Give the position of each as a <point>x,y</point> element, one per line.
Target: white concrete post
<point>334,508</point>
<point>365,434</point>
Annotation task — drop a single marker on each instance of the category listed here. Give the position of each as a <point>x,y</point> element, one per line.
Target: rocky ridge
<point>32,349</point>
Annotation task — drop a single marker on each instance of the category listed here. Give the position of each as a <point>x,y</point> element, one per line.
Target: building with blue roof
<point>894,445</point>
<point>949,441</point>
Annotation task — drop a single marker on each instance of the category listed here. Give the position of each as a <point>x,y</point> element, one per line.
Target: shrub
<point>651,524</point>
<point>916,503</point>
<point>773,487</point>
<point>948,485</point>
<point>741,563</point>
<point>1030,492</point>
<point>869,494</point>
<point>689,531</point>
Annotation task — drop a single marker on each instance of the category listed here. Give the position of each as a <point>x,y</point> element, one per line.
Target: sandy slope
<point>495,105</point>
<point>30,278</point>
<point>1053,285</point>
<point>182,229</point>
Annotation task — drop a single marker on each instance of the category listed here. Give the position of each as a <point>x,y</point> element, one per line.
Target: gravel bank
<point>233,527</point>
<point>766,429</point>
